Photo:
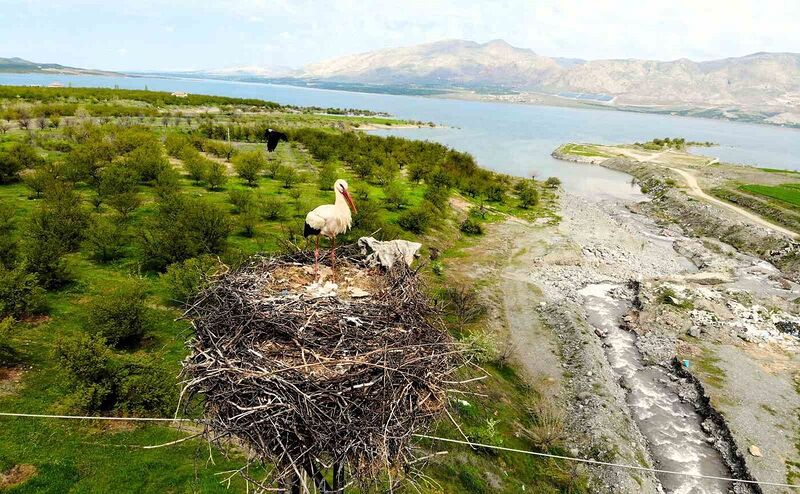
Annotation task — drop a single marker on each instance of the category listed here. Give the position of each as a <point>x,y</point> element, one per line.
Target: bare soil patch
<point>17,475</point>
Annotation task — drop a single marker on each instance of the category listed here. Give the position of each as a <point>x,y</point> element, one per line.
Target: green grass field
<point>100,457</point>
<point>787,193</point>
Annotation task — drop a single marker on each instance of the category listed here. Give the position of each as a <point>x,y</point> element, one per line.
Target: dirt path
<point>696,191</point>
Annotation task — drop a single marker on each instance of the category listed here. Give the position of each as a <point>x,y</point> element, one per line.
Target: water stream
<point>671,426</point>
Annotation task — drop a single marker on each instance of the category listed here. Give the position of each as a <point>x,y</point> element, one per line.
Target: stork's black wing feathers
<point>309,230</point>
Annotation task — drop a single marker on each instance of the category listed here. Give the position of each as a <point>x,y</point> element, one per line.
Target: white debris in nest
<point>356,292</point>
<point>385,254</point>
<point>319,290</point>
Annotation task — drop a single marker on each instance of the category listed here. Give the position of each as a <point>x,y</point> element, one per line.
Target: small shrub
<point>326,177</point>
<point>103,382</point>
<point>553,182</point>
<point>463,304</point>
<point>495,192</point>
<point>185,279</point>
<point>547,424</point>
<point>487,434</point>
<point>471,227</point>
<point>271,208</point>
<point>44,257</point>
<point>437,195</point>
<point>395,196</point>
<point>288,176</point>
<point>528,196</point>
<point>216,175</point>
<point>7,354</point>
<point>121,316</point>
<point>416,220</point>
<point>482,346</point>
<point>105,239</point>
<point>20,294</point>
<point>668,296</point>
<point>248,165</point>
<point>240,199</point>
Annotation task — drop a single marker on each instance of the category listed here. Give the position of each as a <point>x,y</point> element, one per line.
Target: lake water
<point>509,138</point>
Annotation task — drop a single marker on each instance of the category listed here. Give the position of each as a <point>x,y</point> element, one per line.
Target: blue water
<point>510,138</point>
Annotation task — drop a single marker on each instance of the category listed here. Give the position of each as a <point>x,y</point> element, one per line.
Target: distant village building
<point>180,94</point>
<point>55,84</point>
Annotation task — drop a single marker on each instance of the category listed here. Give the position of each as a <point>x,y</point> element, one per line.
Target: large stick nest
<point>306,381</point>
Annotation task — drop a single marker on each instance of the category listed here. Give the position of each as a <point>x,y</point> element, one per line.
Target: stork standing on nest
<point>330,220</point>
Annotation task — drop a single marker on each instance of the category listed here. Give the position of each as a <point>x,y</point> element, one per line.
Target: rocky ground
<point>731,316</point>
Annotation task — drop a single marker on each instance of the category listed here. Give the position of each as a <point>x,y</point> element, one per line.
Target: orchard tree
<point>248,165</point>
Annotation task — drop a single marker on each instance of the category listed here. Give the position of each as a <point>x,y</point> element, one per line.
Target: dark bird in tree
<point>273,137</point>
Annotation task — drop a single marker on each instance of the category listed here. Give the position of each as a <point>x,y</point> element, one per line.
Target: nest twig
<point>306,382</point>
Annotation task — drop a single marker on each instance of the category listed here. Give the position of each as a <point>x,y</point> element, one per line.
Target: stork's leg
<point>316,257</point>
<point>338,477</point>
<point>333,253</point>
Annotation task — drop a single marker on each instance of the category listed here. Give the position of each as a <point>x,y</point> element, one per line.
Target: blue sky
<point>182,34</point>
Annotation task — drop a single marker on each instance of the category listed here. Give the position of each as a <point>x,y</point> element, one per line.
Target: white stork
<point>330,220</point>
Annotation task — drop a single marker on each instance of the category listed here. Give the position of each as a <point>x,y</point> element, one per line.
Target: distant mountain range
<point>19,65</point>
<point>761,87</point>
<point>759,79</point>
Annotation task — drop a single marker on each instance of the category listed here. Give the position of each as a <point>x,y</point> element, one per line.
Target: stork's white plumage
<point>330,220</point>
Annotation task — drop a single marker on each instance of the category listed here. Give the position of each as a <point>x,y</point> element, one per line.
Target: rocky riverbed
<point>731,318</point>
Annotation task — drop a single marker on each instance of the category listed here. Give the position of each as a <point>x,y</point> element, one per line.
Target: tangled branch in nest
<point>306,381</point>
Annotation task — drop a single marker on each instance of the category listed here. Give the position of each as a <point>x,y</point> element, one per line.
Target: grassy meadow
<point>114,203</point>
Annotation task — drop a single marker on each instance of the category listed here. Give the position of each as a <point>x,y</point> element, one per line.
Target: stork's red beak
<point>346,194</point>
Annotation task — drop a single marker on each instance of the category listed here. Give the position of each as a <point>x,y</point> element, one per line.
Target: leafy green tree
<point>195,164</point>
<point>87,159</point>
<point>167,183</point>
<point>16,158</point>
<point>8,243</point>
<point>216,175</point>
<point>528,196</point>
<point>185,279</point>
<point>20,294</point>
<point>7,353</point>
<point>103,382</point>
<point>437,195</point>
<point>240,199</point>
<point>44,257</point>
<point>105,239</point>
<point>553,182</point>
<point>147,160</point>
<point>117,188</point>
<point>61,216</point>
<point>174,144</point>
<point>288,176</point>
<point>248,165</point>
<point>121,316</point>
<point>326,177</point>
<point>395,196</point>
<point>417,219</point>
<point>182,227</point>
<point>39,180</point>
<point>272,166</point>
<point>271,208</point>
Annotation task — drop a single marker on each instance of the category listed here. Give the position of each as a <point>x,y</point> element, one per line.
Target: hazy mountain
<point>267,71</point>
<point>19,65</point>
<point>452,62</point>
<point>771,79</point>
